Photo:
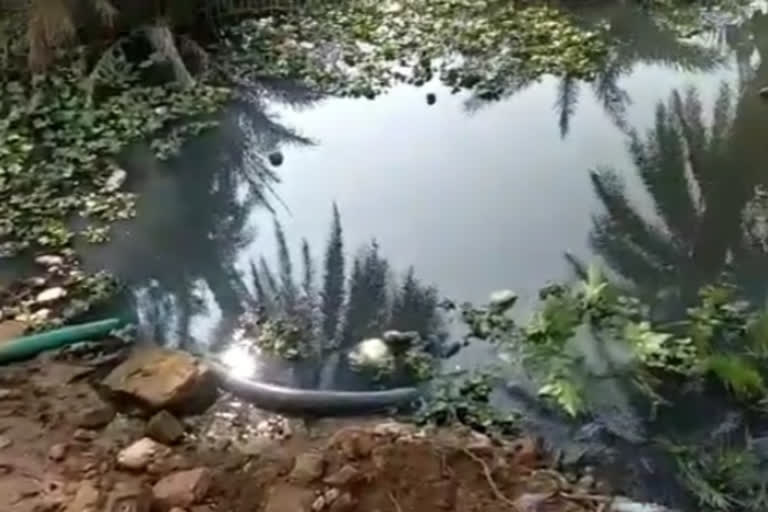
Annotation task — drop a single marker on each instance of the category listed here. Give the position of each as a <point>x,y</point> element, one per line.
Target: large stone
<point>141,453</point>
<point>307,468</point>
<point>182,489</point>
<point>163,379</point>
<point>164,427</point>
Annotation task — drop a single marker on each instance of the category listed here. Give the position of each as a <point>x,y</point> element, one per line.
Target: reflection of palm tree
<point>703,182</point>
<point>639,39</point>
<point>350,308</point>
<point>702,179</point>
<point>190,228</point>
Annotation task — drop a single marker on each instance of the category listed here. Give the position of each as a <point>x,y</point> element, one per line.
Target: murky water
<point>474,196</point>
<point>457,199</point>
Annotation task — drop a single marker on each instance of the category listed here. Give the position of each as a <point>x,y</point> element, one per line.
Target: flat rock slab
<point>182,489</point>
<point>162,379</point>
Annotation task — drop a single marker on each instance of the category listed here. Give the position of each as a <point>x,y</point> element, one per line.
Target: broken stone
<point>96,415</point>
<point>51,295</point>
<point>307,468</point>
<point>138,455</point>
<point>87,498</point>
<point>431,98</point>
<point>285,498</point>
<point>84,435</point>
<point>40,316</point>
<point>318,504</point>
<point>5,442</point>
<point>344,503</point>
<point>346,475</point>
<point>9,394</point>
<point>165,428</point>
<point>162,379</point>
<point>256,447</point>
<point>183,488</point>
<point>763,92</point>
<point>58,452</point>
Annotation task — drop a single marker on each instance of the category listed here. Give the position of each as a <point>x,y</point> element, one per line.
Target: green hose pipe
<point>29,346</point>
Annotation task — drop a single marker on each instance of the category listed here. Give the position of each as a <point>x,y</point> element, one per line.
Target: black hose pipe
<point>309,401</point>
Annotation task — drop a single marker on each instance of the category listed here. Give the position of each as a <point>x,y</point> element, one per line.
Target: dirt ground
<point>61,443</point>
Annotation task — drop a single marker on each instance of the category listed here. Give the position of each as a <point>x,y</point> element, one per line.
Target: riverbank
<point>68,442</point>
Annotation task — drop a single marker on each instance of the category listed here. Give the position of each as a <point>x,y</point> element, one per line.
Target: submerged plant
<point>59,147</point>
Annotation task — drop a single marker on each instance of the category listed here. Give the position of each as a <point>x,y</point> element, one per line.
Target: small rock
<point>96,415</point>
<point>5,442</point>
<point>344,503</point>
<point>183,488</point>
<point>431,98</point>
<point>165,428</point>
<point>138,455</point>
<point>177,509</point>
<point>479,443</point>
<point>51,295</point>
<point>585,484</point>
<point>87,498</point>
<point>330,495</point>
<point>346,475</point>
<point>276,158</point>
<point>764,92</point>
<point>502,300</point>
<point>318,504</point>
<point>9,394</point>
<point>115,180</point>
<point>256,447</point>
<point>49,260</point>
<point>58,452</point>
<point>84,435</point>
<point>392,428</point>
<point>307,468</point>
<point>39,316</point>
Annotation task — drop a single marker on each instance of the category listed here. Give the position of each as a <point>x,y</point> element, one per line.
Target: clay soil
<point>59,443</point>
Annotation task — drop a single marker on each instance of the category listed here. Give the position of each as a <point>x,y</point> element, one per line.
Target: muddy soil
<point>62,442</point>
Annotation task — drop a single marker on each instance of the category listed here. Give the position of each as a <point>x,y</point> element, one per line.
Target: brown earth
<point>60,440</point>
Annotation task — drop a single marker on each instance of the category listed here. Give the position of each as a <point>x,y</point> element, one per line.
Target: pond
<point>474,195</point>
<point>393,204</point>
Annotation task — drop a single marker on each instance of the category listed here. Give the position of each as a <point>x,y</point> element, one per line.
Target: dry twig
<point>394,501</point>
<point>487,472</point>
